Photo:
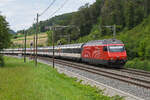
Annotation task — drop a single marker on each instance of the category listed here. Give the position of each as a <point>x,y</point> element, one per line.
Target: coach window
<point>78,50</point>
<point>105,48</point>
<point>68,50</point>
<point>65,50</point>
<point>73,50</point>
<point>55,50</point>
<point>50,50</point>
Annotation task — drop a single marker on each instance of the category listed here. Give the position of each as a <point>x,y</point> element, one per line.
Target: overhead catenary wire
<point>37,26</point>
<point>48,7</point>
<point>59,8</point>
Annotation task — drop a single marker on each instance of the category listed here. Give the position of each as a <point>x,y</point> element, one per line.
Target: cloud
<point>5,2</point>
<point>21,13</point>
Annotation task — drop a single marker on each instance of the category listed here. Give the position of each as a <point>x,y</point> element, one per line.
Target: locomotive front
<point>117,55</point>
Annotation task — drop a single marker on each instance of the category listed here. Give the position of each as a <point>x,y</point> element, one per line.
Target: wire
<point>48,7</point>
<point>59,8</point>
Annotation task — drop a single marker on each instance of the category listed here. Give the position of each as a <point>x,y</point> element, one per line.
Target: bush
<point>1,61</point>
<point>138,64</point>
<point>147,52</point>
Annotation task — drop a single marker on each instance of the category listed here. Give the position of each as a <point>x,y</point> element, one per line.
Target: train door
<point>105,53</point>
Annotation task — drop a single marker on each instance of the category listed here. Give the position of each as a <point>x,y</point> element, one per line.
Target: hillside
<point>19,42</point>
<point>12,31</point>
<point>130,16</point>
<point>137,40</point>
<point>63,19</point>
<point>137,44</point>
<point>126,14</point>
<point>89,21</point>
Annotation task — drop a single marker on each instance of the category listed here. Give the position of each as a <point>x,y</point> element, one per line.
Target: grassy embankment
<point>42,40</point>
<point>137,44</point>
<point>20,81</point>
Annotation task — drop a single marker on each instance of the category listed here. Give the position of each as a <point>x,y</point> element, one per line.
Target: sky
<point>20,14</point>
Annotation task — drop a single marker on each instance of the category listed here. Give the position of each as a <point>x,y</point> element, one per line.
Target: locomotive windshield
<point>116,48</point>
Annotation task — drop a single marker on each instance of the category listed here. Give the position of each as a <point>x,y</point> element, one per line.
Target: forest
<point>4,37</point>
<point>131,18</point>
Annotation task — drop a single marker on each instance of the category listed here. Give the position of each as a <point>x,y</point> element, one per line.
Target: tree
<point>146,4</point>
<point>4,36</point>
<point>49,41</point>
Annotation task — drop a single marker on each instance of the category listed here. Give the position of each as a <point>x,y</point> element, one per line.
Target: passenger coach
<point>110,52</point>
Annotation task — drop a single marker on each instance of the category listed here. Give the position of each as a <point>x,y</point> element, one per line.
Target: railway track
<point>137,72</point>
<point>141,82</point>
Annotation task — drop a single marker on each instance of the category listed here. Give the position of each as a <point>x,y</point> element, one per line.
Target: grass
<point>20,81</point>
<point>42,39</point>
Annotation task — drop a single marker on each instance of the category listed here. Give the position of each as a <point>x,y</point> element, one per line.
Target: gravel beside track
<point>110,91</point>
<point>125,77</point>
<point>129,88</point>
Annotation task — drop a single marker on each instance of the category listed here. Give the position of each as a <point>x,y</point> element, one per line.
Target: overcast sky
<point>21,13</point>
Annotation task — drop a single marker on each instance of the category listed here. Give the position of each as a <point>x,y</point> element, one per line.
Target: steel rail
<point>135,72</point>
<point>124,78</point>
<point>98,71</point>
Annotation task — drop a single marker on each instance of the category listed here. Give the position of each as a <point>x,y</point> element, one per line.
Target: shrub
<point>1,61</point>
<point>138,64</point>
<point>147,52</point>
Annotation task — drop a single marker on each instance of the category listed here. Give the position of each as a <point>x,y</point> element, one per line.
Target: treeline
<point>4,36</point>
<point>137,45</point>
<point>130,16</point>
<point>57,20</point>
<point>126,14</point>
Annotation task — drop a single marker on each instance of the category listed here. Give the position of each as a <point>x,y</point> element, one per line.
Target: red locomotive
<point>109,52</point>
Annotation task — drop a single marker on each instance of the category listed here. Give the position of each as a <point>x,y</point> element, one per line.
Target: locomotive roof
<point>105,41</point>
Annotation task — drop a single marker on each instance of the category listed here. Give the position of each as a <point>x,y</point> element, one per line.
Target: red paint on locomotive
<point>107,52</point>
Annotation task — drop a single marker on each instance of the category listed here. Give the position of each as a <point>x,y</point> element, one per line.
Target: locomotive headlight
<point>111,58</point>
<point>123,57</point>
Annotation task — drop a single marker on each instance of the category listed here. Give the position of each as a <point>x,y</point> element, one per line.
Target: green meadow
<point>24,81</point>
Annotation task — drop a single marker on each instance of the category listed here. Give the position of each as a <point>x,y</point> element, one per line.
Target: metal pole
<point>34,43</point>
<point>53,48</point>
<point>69,38</point>
<point>34,47</point>
<point>114,33</point>
<point>36,38</point>
<point>25,46</point>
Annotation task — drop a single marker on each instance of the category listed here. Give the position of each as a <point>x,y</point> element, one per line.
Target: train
<point>108,52</point>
